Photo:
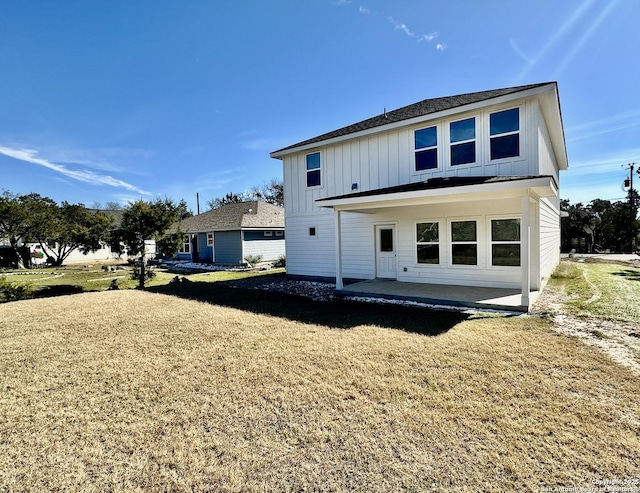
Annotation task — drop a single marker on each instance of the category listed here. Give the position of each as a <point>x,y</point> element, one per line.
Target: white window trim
<point>186,244</point>
<point>519,131</point>
<point>210,239</point>
<point>450,242</point>
<point>268,233</point>
<point>451,144</point>
<point>279,233</point>
<point>490,243</point>
<point>437,147</point>
<point>306,171</point>
<point>440,243</point>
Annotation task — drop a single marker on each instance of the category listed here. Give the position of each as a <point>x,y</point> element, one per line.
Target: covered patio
<point>441,294</point>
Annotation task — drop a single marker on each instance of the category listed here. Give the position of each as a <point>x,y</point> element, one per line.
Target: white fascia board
<point>550,107</point>
<point>418,119</point>
<point>541,187</point>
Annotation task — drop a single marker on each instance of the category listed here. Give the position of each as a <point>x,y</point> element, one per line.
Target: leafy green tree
<point>14,226</point>
<point>271,192</point>
<point>142,221</point>
<point>60,230</point>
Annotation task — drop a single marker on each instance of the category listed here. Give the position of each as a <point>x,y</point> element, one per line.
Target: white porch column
<point>338,238</point>
<point>525,249</point>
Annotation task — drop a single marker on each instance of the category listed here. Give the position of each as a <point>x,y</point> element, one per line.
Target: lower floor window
<point>186,245</point>
<point>464,243</point>
<point>428,243</point>
<point>505,242</point>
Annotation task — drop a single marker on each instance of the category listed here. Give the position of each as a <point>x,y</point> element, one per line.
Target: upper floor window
<point>505,133</point>
<point>313,169</point>
<point>505,242</point>
<point>428,243</point>
<point>463,141</point>
<point>464,243</point>
<point>426,146</point>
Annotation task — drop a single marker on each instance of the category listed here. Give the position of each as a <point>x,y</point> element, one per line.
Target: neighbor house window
<point>505,242</point>
<point>186,245</point>
<point>313,169</point>
<point>505,133</point>
<point>279,233</point>
<point>428,243</point>
<point>426,146</point>
<point>268,233</point>
<point>463,141</point>
<point>209,239</point>
<point>464,243</point>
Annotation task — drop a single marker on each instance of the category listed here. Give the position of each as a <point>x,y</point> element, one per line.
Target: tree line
<point>60,229</point>
<point>601,225</point>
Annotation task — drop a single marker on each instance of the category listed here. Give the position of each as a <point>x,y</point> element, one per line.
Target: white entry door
<point>386,251</point>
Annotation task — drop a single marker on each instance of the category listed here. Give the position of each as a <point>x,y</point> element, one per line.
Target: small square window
<point>268,233</point>
<point>279,233</point>
<point>312,231</point>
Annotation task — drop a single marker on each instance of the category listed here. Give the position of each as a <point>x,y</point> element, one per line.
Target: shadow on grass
<point>338,314</point>
<point>630,274</point>
<point>56,290</point>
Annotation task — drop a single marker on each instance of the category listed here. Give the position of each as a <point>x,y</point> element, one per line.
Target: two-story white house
<point>456,191</point>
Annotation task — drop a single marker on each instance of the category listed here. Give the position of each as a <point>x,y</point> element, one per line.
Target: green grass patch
<point>597,289</point>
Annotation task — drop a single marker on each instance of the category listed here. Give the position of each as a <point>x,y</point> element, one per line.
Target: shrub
<point>253,259</point>
<point>149,273</point>
<point>281,261</point>
<point>13,291</point>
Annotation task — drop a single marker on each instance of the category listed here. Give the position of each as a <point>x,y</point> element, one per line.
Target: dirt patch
<point>619,340</point>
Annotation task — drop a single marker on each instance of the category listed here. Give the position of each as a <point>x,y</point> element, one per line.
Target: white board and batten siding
<point>270,249</point>
<point>386,159</point>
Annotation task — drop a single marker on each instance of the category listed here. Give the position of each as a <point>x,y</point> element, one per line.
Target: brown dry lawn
<point>141,391</point>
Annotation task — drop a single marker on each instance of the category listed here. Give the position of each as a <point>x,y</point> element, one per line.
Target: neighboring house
<point>231,233</point>
<point>105,253</point>
<point>459,190</point>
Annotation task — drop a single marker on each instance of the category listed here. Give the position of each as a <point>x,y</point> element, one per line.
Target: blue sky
<point>112,101</point>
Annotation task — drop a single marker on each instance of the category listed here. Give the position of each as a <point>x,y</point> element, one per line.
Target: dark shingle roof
<point>435,183</point>
<point>421,108</point>
<point>251,215</point>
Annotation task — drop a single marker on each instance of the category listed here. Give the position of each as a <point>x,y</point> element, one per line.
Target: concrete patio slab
<point>441,294</point>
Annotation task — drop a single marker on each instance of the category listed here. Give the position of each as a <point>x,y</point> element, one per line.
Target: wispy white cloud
<point>613,123</point>
<point>86,176</point>
<point>340,3</point>
<point>364,10</point>
<point>400,26</point>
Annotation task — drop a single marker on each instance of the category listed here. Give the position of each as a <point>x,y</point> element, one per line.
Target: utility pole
<point>632,210</point>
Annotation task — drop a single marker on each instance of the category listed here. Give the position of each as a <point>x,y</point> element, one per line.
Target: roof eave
<point>543,186</point>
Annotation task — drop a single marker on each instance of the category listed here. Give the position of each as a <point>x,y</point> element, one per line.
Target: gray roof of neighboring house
<point>244,215</point>
<point>421,108</point>
<point>435,183</point>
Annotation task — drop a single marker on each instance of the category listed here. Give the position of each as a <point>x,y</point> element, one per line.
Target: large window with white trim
<point>462,136</point>
<point>464,243</point>
<point>313,169</point>
<point>428,243</point>
<point>505,242</point>
<point>426,148</point>
<point>504,130</point>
